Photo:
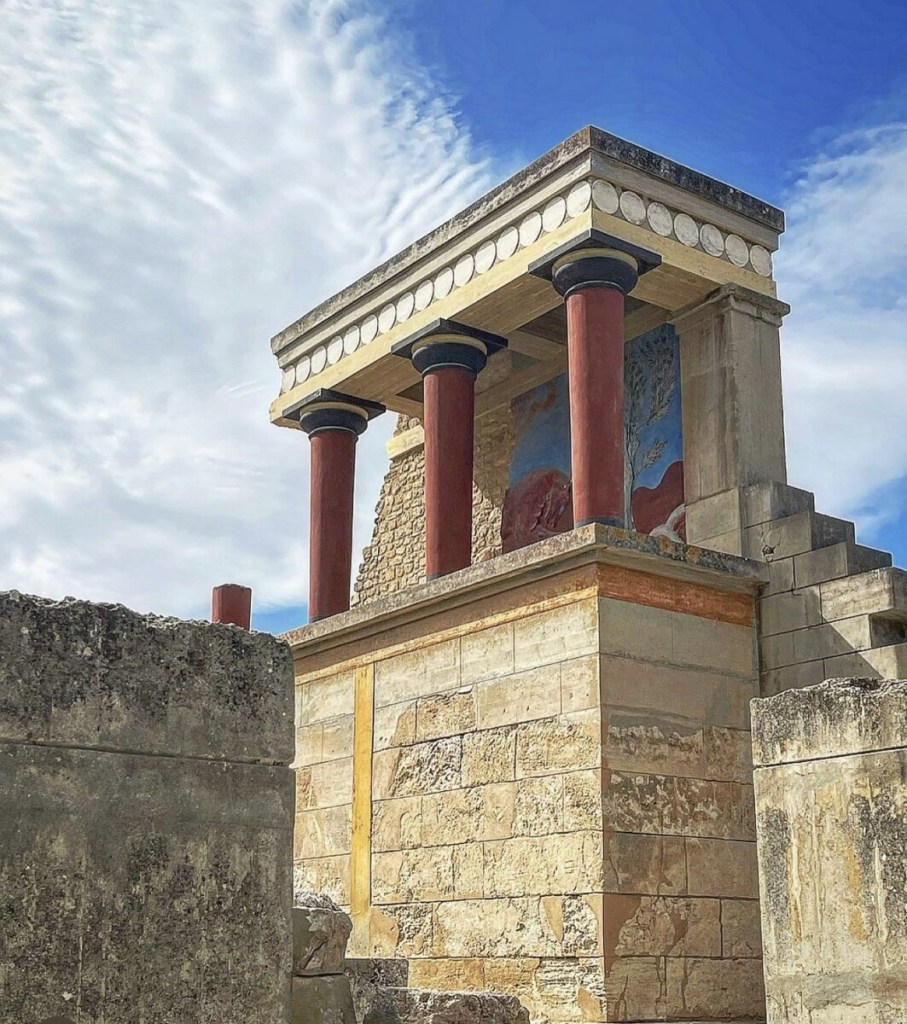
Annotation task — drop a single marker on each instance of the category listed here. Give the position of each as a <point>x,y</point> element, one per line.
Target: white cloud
<point>842,268</point>
<point>178,181</point>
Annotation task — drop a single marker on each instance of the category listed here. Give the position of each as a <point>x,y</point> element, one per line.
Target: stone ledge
<point>420,1006</point>
<point>587,545</point>
<point>837,717</point>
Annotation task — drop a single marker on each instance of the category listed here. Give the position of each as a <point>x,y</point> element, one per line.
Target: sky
<point>181,180</point>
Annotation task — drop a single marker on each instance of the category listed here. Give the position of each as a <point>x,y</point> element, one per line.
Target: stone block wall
<point>545,794</point>
<point>395,558</point>
<point>145,812</point>
<point>831,807</point>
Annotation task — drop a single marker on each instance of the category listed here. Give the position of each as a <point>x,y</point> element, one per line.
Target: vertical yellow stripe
<point>361,854</point>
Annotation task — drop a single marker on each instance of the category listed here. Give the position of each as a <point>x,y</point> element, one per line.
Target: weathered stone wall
<point>558,799</point>
<point>395,558</point>
<point>831,808</point>
<point>145,812</point>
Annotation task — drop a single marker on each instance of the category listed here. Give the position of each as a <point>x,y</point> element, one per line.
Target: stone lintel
<point>588,546</point>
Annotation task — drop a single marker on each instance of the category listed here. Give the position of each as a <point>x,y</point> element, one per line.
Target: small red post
<point>232,603</point>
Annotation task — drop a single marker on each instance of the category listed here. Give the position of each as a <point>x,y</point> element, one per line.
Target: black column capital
<point>325,409</point>
<point>595,260</point>
<point>449,343</point>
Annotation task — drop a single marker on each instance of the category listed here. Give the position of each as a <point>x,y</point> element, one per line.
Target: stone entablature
<point>532,776</point>
<point>474,267</point>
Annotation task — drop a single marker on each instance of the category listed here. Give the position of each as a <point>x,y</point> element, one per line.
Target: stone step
<point>795,535</point>
<point>884,662</point>
<point>837,560</point>
<point>879,592</point>
<point>423,1006</point>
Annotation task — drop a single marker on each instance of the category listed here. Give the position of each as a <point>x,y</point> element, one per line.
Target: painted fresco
<point>538,500</point>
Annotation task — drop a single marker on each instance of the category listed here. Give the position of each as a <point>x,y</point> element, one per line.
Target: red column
<point>449,399</point>
<point>594,282</point>
<point>232,603</point>
<point>331,521</point>
<point>595,332</point>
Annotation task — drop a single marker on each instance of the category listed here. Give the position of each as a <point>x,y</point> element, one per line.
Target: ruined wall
<point>544,793</point>
<point>831,805</point>
<point>395,558</point>
<point>145,817</point>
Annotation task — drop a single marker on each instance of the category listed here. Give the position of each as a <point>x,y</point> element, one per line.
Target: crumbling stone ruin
<point>523,758</point>
<point>523,755</point>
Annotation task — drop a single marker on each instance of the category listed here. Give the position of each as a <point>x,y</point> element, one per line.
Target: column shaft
<point>449,399</point>
<point>595,339</point>
<point>331,522</point>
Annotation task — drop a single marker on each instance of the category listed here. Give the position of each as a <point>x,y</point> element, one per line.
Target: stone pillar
<point>593,283</point>
<point>449,356</point>
<point>733,421</point>
<point>333,422</point>
<point>831,820</point>
<point>232,604</point>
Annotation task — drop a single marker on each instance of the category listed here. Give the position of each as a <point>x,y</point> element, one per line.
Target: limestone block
<point>328,875</point>
<point>486,653</point>
<point>430,669</point>
<point>324,1000</point>
<point>777,680</point>
<point>308,745</point>
<point>524,865</point>
<point>634,989</point>
<point>451,975</point>
<point>512,927</point>
<point>580,684</point>
<point>650,864</point>
<point>522,697</point>
<point>539,806</point>
<point>878,591</point>
<point>569,989</point>
<point>499,810</point>
<point>661,926</point>
<point>421,1006</point>
<point>395,725</point>
<point>717,646</point>
<point>328,784</point>
<point>741,934</point>
<point>678,806</point>
<point>582,800</point>
<point>408,930</point>
<point>634,631</point>
<point>842,716</point>
<point>445,714</point>
<point>582,918</point>
<point>423,768</point>
<point>319,700</point>
<point>835,561</point>
<point>554,636</point>
<point>559,744</point>
<point>882,662</point>
<point>321,931</point>
<point>404,876</point>
<point>717,514</point>
<point>650,743</point>
<point>727,754</point>
<point>468,871</point>
<point>489,756</point>
<point>710,989</point>
<point>369,974</point>
<point>720,699</point>
<point>322,831</point>
<point>796,534</point>
<point>772,499</point>
<point>783,613</point>
<point>719,867</point>
<point>397,824</point>
<point>781,576</point>
<point>453,816</point>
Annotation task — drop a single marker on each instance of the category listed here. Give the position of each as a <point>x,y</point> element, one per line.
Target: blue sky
<point>178,181</point>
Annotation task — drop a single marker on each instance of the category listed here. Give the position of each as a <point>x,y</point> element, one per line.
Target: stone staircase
<point>832,607</point>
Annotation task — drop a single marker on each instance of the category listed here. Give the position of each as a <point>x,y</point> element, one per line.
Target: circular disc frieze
<point>604,195</point>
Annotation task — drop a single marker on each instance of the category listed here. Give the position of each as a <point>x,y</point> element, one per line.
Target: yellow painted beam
<point>361,852</point>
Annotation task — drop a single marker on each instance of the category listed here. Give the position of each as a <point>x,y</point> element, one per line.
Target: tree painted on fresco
<point>650,383</point>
